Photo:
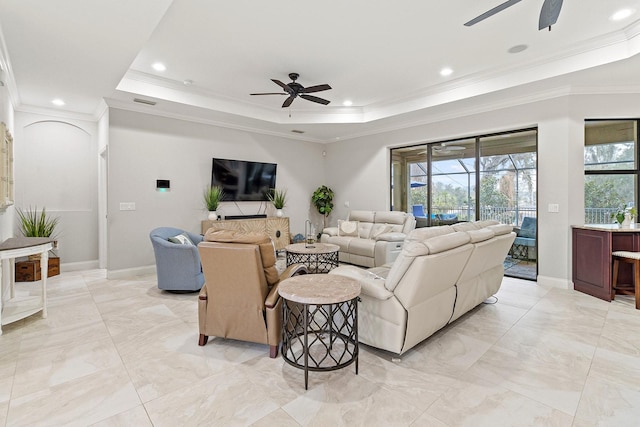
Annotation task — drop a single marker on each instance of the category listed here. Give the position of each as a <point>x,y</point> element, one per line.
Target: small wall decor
<point>6,167</point>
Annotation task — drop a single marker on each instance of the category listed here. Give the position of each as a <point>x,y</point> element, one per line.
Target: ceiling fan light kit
<point>548,14</point>
<point>295,89</point>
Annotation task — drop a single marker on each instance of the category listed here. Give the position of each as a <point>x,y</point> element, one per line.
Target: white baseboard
<point>130,272</point>
<point>78,266</point>
<point>554,282</point>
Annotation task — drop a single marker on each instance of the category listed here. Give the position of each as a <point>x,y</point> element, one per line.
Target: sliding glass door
<point>485,177</point>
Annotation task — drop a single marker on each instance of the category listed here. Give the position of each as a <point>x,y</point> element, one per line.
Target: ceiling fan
<point>443,149</point>
<point>548,15</point>
<point>295,89</point>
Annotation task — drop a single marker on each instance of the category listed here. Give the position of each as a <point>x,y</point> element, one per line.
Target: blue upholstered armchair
<point>177,264</point>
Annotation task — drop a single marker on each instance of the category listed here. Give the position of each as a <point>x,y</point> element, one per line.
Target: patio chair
<point>524,246</point>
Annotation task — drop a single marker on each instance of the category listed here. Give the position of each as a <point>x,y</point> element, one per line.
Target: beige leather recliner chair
<point>240,299</point>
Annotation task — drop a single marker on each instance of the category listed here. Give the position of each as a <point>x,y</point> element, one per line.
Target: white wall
<point>560,125</point>
<point>55,167</point>
<point>144,148</point>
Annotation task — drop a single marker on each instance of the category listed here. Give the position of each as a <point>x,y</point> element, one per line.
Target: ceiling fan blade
<point>282,85</point>
<point>491,12</point>
<point>549,13</point>
<point>270,93</point>
<point>317,88</point>
<point>288,101</point>
<point>315,99</point>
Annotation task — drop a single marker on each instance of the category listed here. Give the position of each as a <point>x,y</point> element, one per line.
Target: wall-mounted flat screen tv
<point>242,180</point>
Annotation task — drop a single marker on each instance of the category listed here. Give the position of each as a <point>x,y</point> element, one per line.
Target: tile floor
<point>121,352</point>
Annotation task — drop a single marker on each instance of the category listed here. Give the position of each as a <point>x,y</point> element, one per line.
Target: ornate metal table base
<point>320,337</point>
<point>320,323</point>
<point>319,257</point>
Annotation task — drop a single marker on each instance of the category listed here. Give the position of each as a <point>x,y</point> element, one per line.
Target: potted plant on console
<point>37,224</point>
<point>212,198</point>
<point>278,199</point>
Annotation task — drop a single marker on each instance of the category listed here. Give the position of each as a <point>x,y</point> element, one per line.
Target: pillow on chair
<point>181,239</point>
<point>348,228</point>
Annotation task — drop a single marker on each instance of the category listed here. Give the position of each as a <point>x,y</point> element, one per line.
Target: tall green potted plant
<point>278,199</point>
<point>212,197</point>
<point>322,199</point>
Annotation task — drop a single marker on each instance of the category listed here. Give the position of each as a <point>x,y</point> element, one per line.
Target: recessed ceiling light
<point>59,102</point>
<point>446,71</point>
<point>159,66</point>
<point>347,103</point>
<point>517,48</point>
<point>622,14</point>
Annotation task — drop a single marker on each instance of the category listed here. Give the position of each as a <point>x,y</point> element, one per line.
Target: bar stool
<point>632,258</point>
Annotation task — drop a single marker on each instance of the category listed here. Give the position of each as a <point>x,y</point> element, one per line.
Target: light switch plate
<point>127,206</point>
<point>554,207</point>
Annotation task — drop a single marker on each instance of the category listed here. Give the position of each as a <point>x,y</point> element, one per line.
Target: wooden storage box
<point>29,271</point>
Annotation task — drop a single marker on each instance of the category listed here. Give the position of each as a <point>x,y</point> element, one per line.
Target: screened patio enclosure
<point>485,177</point>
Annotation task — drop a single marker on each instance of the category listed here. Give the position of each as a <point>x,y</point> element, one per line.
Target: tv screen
<point>244,181</point>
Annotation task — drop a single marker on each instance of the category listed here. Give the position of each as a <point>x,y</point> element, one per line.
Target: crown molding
<point>121,105</point>
<point>52,112</point>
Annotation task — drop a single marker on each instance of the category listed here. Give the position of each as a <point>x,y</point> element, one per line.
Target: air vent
<point>144,101</point>
<point>297,131</point>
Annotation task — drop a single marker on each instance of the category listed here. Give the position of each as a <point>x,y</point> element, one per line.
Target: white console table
<point>14,308</point>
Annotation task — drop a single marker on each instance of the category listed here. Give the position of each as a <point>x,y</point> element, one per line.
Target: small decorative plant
<point>37,224</point>
<point>621,214</point>
<point>278,198</point>
<point>212,197</point>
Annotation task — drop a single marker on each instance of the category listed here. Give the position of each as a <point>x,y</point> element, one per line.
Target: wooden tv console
<point>276,228</point>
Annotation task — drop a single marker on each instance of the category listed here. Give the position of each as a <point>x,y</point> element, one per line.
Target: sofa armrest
<point>371,284</point>
<point>391,237</point>
<point>331,231</point>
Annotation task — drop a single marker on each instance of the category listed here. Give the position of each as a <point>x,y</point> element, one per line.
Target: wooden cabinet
<point>276,228</point>
<point>592,247</point>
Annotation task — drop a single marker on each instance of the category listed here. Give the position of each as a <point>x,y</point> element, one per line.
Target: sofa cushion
<point>480,235</point>
<point>448,241</point>
<point>421,234</point>
<point>486,223</point>
<point>362,216</point>
<point>348,228</point>
<point>391,217</point>
<point>378,229</point>
<point>410,251</point>
<point>363,247</point>
<point>465,226</point>
<point>342,241</point>
<point>500,229</point>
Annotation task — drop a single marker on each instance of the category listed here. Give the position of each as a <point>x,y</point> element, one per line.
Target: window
<point>611,168</point>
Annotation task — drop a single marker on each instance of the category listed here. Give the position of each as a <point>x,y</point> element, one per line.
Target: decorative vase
<point>627,221</point>
<point>279,213</point>
<point>213,216</point>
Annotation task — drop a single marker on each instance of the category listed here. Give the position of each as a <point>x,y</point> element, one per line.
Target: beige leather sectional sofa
<point>370,238</point>
<point>440,274</point>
